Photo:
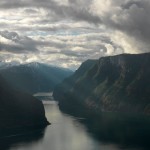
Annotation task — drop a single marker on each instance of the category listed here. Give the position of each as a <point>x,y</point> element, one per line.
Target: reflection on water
<point>68,133</point>
<point>124,129</point>
<point>28,139</point>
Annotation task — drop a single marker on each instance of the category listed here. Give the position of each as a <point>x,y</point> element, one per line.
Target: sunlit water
<point>65,133</point>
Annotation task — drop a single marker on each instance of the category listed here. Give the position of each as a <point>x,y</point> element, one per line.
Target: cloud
<point>72,31</point>
<point>130,17</point>
<point>52,48</point>
<point>54,9</point>
<point>12,42</point>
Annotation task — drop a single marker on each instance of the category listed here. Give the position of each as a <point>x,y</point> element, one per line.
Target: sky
<point>67,32</point>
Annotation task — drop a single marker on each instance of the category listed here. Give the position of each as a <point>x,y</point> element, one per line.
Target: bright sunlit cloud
<point>71,31</point>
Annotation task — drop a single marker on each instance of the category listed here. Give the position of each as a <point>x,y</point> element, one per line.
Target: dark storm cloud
<point>12,48</point>
<point>130,3</point>
<point>16,43</point>
<point>137,23</point>
<point>54,9</point>
<point>132,18</point>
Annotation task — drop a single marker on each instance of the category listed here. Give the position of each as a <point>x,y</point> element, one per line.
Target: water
<point>65,133</point>
<point>44,96</point>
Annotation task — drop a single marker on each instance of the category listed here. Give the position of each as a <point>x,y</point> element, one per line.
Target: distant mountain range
<point>4,65</point>
<point>112,84</point>
<point>34,77</point>
<point>19,112</point>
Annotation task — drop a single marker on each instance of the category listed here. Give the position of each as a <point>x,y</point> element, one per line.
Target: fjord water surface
<point>64,133</point>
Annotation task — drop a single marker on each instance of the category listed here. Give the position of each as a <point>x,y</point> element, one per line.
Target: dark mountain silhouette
<point>34,77</point>
<point>116,83</point>
<point>112,96</point>
<point>19,111</point>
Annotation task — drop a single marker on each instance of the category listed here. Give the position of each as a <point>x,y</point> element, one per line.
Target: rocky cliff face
<point>116,83</point>
<point>19,110</point>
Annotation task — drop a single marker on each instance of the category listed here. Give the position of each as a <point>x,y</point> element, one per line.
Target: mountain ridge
<point>34,77</point>
<point>114,83</point>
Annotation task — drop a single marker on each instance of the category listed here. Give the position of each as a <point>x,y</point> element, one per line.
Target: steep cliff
<point>116,83</point>
<point>19,110</point>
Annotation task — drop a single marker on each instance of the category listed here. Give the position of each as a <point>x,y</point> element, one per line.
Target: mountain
<point>111,84</point>
<point>4,65</point>
<point>112,97</point>
<point>19,111</point>
<point>34,77</point>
